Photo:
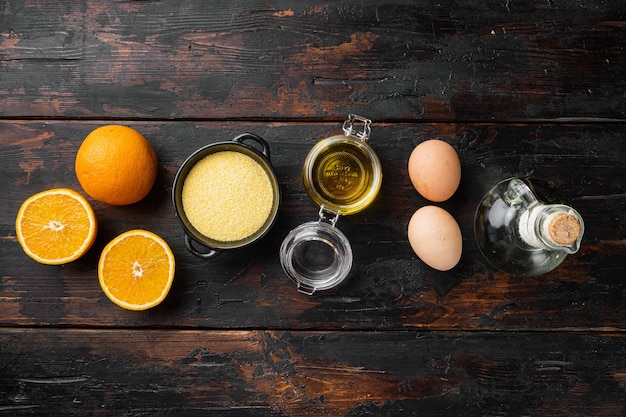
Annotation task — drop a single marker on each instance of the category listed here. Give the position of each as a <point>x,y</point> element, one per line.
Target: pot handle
<point>259,140</point>
<point>200,254</point>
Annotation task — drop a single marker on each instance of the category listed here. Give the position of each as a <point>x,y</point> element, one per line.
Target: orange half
<point>136,270</point>
<point>56,226</point>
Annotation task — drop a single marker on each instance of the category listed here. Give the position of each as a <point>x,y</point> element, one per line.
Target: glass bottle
<point>522,235</point>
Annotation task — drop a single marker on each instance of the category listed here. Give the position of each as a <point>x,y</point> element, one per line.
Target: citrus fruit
<point>136,270</point>
<point>56,226</point>
<point>116,165</point>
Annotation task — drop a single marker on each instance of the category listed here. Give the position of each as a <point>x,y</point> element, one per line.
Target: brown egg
<point>435,170</point>
<point>435,237</point>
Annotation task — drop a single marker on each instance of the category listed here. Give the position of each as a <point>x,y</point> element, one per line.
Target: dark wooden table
<point>518,88</point>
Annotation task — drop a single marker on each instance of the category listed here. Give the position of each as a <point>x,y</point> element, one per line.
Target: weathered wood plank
<point>393,60</point>
<point>60,372</point>
<point>389,288</point>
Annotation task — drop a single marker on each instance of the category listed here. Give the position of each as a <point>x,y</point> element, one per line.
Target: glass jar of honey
<point>342,175</point>
<point>343,172</point>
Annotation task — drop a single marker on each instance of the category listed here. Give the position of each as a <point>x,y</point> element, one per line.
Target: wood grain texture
<point>267,373</point>
<point>518,88</point>
<point>392,60</point>
<point>389,288</point>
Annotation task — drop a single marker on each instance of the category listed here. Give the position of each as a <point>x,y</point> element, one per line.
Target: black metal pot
<point>199,244</point>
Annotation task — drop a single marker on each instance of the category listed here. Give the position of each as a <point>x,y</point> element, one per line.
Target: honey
<point>342,173</point>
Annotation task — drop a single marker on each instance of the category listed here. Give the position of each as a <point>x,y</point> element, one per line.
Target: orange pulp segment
<point>136,270</point>
<point>56,226</point>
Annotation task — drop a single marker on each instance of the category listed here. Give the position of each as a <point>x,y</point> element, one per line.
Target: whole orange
<point>116,165</point>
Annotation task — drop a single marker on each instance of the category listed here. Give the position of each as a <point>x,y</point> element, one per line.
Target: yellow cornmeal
<point>227,196</point>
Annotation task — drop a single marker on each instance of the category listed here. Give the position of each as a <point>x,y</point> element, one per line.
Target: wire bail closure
<point>349,127</point>
<point>328,215</point>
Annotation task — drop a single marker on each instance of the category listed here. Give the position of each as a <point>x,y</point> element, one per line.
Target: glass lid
<point>316,255</point>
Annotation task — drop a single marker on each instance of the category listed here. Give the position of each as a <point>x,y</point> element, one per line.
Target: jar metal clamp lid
<point>342,175</point>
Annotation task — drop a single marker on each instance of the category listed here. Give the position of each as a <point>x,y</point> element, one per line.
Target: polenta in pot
<point>227,196</point>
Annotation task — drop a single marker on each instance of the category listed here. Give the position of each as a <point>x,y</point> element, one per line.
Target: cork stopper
<point>564,229</point>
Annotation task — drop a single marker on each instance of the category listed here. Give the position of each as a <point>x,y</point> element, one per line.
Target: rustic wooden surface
<point>518,88</point>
